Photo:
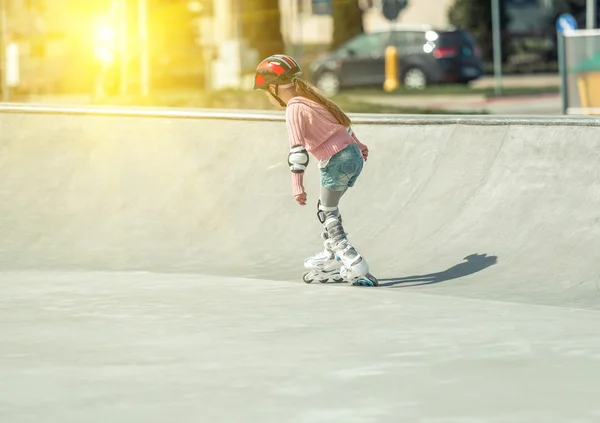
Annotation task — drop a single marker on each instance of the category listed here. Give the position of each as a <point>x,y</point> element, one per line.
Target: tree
<point>347,21</point>
<point>577,8</point>
<point>175,53</point>
<point>476,17</point>
<point>261,26</point>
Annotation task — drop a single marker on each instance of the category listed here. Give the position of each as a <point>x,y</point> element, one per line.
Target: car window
<point>367,43</point>
<point>415,38</point>
<point>408,39</point>
<point>457,38</point>
<point>468,38</point>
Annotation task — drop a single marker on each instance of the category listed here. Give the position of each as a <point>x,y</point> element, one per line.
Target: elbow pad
<point>298,159</point>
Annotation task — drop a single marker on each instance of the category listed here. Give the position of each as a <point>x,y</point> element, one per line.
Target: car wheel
<point>328,83</point>
<point>415,79</point>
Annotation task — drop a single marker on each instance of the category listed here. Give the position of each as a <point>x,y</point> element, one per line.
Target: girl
<point>318,126</point>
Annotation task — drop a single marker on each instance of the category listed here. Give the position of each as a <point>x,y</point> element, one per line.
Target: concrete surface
<point>151,271</point>
<point>138,348</point>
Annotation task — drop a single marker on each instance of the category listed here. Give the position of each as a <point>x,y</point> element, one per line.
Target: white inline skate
<point>344,266</point>
<point>323,267</point>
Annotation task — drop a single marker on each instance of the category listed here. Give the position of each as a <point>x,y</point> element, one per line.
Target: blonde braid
<point>305,89</point>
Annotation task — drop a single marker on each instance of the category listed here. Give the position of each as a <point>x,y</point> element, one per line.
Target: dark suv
<point>426,56</point>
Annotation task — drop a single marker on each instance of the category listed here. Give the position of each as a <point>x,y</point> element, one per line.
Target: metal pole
<point>144,55</point>
<point>563,73</point>
<point>591,14</point>
<point>3,51</point>
<point>497,41</point>
<point>124,54</point>
<point>590,21</point>
<point>296,21</point>
<point>301,43</point>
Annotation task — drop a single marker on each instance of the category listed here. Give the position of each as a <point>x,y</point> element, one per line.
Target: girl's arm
<point>295,123</point>
<point>297,183</point>
<point>363,148</point>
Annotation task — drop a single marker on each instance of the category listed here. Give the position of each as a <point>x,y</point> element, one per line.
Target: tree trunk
<point>476,17</point>
<point>347,21</point>
<point>261,26</point>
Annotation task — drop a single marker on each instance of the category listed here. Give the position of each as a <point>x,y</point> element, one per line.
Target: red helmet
<point>277,69</point>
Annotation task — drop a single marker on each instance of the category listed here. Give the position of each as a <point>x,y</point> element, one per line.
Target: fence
<point>581,72</point>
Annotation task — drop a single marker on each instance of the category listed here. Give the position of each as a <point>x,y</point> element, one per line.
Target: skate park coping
<point>277,116</point>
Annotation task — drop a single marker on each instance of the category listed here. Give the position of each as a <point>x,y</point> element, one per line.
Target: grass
<point>521,91</point>
<point>523,67</point>
<point>457,90</point>
<point>234,99</point>
<point>353,105</point>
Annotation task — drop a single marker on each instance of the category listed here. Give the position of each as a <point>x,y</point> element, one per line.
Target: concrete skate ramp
<point>504,209</point>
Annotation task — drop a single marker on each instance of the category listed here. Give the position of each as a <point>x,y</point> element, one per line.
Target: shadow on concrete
<point>474,263</point>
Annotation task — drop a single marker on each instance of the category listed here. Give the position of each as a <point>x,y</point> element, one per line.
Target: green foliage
<point>577,8</point>
<point>476,17</point>
<point>251,100</point>
<point>171,26</point>
<point>347,21</point>
<point>175,56</point>
<point>260,25</point>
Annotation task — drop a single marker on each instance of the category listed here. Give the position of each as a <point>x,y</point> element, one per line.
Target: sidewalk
<point>535,104</point>
<point>540,104</point>
<point>541,80</point>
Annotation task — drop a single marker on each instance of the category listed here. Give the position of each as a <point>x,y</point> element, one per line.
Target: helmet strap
<point>281,103</point>
<point>276,95</point>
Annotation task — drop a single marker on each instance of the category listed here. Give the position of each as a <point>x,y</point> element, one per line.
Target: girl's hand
<point>301,199</point>
<point>365,153</point>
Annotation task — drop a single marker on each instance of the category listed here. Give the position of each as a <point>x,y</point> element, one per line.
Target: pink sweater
<point>311,125</point>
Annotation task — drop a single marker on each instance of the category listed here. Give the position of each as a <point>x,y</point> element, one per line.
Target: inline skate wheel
<point>373,279</point>
<point>367,280</point>
<point>306,278</point>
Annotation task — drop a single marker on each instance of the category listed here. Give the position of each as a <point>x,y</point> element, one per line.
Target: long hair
<point>305,89</point>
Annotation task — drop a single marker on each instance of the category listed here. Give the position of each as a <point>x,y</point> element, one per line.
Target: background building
<point>64,44</point>
<point>303,24</point>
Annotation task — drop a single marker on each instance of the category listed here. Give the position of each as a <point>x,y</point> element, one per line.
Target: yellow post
<point>589,91</point>
<point>391,69</point>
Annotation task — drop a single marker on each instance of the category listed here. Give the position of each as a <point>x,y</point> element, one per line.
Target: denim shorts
<point>343,169</point>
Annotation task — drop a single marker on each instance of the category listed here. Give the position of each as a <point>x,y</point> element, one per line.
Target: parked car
<point>426,56</point>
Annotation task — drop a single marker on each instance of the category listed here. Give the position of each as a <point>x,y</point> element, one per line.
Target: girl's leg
<point>336,242</point>
<point>325,263</point>
<point>326,259</point>
<point>336,178</point>
<point>329,198</point>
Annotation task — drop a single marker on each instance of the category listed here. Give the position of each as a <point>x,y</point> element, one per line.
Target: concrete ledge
<point>278,116</point>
